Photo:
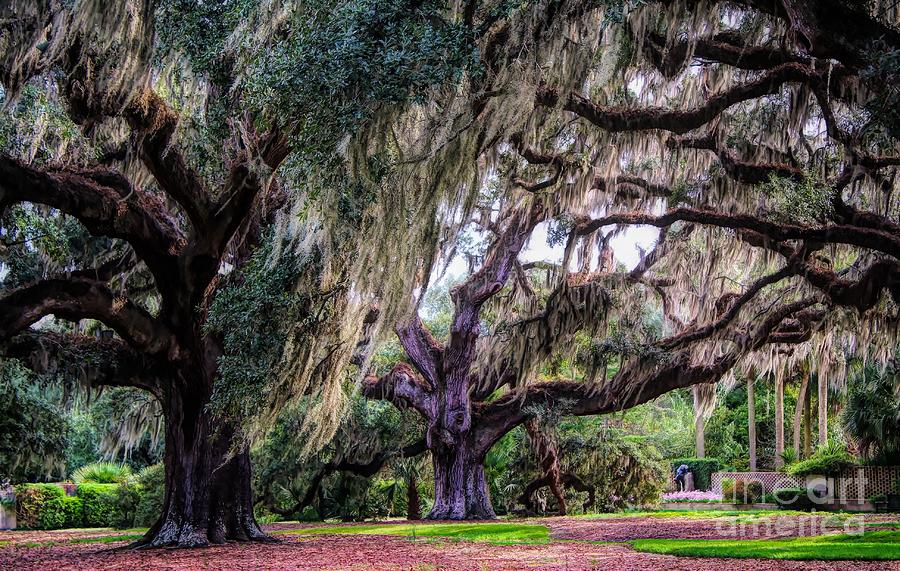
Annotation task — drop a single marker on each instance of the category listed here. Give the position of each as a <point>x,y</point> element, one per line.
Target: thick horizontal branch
<point>76,298</point>
<point>726,48</point>
<point>740,170</point>
<point>617,119</point>
<point>99,362</point>
<point>635,384</point>
<point>105,203</point>
<point>871,238</point>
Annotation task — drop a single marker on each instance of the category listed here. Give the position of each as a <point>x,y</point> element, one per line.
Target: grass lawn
<point>877,545</point>
<point>699,514</point>
<point>491,532</point>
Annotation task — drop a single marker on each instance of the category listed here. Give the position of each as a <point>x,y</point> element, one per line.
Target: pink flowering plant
<point>691,497</point>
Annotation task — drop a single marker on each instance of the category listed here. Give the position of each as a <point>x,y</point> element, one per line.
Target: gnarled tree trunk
<point>208,496</point>
<point>460,488</point>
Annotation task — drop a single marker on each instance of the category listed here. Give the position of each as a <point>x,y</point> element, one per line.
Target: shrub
<point>101,473</point>
<point>31,500</point>
<point>741,492</point>
<point>128,497</point>
<point>828,460</point>
<point>100,504</point>
<point>702,468</point>
<point>152,480</point>
<point>62,512</point>
<point>793,499</point>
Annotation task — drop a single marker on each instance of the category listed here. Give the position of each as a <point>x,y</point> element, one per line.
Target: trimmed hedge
<point>702,468</point>
<point>32,500</point>
<point>741,492</point>
<point>100,504</point>
<point>60,513</point>
<point>793,499</point>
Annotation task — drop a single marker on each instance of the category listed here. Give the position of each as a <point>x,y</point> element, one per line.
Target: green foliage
<point>100,504</point>
<point>101,473</point>
<point>152,483</point>
<point>31,500</point>
<point>828,459</point>
<point>344,60</point>
<point>702,469</point>
<point>32,429</point>
<point>252,316</point>
<point>127,499</point>
<point>870,546</point>
<point>808,201</point>
<point>62,512</point>
<point>872,414</point>
<point>883,73</point>
<point>741,492</point>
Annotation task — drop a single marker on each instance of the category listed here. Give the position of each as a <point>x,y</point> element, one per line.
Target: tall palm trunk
<point>823,409</point>
<point>699,425</point>
<point>798,411</point>
<point>751,419</point>
<point>779,421</point>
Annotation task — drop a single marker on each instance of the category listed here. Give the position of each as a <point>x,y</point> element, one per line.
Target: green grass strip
<point>491,532</point>
<point>871,546</point>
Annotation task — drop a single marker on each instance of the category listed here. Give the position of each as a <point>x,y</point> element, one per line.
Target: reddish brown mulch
<point>376,553</point>
<point>629,528</point>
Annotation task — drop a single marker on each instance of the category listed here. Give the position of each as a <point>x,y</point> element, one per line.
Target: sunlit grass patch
<point>876,546</point>
<point>492,532</point>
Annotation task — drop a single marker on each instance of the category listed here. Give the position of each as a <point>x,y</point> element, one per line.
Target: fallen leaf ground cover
<point>546,543</point>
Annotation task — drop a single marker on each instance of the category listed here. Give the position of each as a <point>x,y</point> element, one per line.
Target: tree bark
<point>208,488</point>
<point>413,503</point>
<point>460,488</point>
<point>823,409</point>
<point>751,419</point>
<point>807,426</point>
<point>798,411</point>
<point>779,421</point>
<point>548,457</point>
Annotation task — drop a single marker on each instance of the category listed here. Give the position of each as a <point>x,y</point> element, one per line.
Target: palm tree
<point>872,414</point>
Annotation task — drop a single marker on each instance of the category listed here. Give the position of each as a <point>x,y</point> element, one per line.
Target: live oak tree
<point>179,131</point>
<point>759,138</point>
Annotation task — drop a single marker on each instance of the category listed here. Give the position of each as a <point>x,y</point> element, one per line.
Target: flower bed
<point>697,496</point>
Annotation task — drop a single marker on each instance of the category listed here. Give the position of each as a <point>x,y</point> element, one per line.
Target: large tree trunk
<point>460,488</point>
<point>751,419</point>
<point>208,488</point>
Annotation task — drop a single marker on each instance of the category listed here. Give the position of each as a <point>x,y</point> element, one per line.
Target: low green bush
<point>702,468</point>
<point>741,492</point>
<point>793,499</point>
<point>828,460</point>
<point>152,481</point>
<point>100,504</point>
<point>30,502</point>
<point>62,513</point>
